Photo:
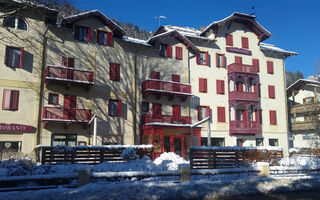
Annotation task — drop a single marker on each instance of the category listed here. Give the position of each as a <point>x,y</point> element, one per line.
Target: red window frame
<point>108,35</point>
<point>6,60</point>
<point>199,111</point>
<point>273,117</point>
<point>245,42</point>
<point>270,67</point>
<point>271,91</point>
<point>119,107</point>
<point>255,62</point>
<point>179,53</point>
<point>12,96</point>
<point>229,40</point>
<point>220,86</point>
<point>88,37</point>
<point>203,85</point>
<point>57,97</point>
<point>238,59</point>
<point>114,72</point>
<point>221,114</point>
<point>199,60</point>
<point>218,57</point>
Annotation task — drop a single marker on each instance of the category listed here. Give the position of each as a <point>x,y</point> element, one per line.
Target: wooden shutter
<point>270,67</point>
<point>168,51</point>
<point>260,116</point>
<point>202,85</point>
<point>6,56</point>
<point>112,72</point>
<point>207,111</point>
<point>220,58</point>
<point>199,112</point>
<point>271,91</point>
<point>238,59</point>
<point>109,39</point>
<point>255,62</point>
<point>273,117</point>
<point>64,61</point>
<point>14,101</point>
<point>21,58</point>
<point>70,62</point>
<point>73,101</point>
<point>156,109</point>
<point>117,72</point>
<point>119,111</point>
<point>220,86</point>
<point>198,58</point>
<point>229,40</point>
<point>6,99</point>
<point>179,53</point>
<point>175,78</point>
<point>176,111</point>
<point>89,36</point>
<point>221,114</point>
<point>207,58</point>
<point>155,75</point>
<point>245,43</point>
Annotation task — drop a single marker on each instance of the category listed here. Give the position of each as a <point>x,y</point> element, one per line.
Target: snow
<point>135,40</point>
<point>271,47</point>
<point>239,148</point>
<point>169,161</point>
<point>296,149</point>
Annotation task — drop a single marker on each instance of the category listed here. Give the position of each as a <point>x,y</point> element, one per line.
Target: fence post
<point>185,172</point>
<point>43,155</point>
<point>83,177</point>
<point>102,155</point>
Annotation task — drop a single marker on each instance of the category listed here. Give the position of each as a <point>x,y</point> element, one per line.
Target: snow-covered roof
<point>301,83</point>
<point>271,47</point>
<point>67,21</point>
<point>135,40</point>
<point>249,20</point>
<point>186,31</point>
<point>33,3</point>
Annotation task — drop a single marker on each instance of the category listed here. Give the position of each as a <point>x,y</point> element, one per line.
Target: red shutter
<point>168,51</point>
<point>217,60</point>
<point>76,32</point>
<point>14,101</point>
<point>112,72</point>
<point>156,109</point>
<point>179,53</point>
<point>238,59</point>
<point>271,91</point>
<point>207,58</point>
<point>224,61</point>
<point>202,85</point>
<point>176,111</point>
<point>245,115</point>
<point>273,117</point>
<point>119,113</point>
<point>175,78</point>
<point>207,111</point>
<point>6,56</point>
<point>109,38</point>
<point>255,62</point>
<point>89,36</point>
<point>64,61</point>
<point>221,114</point>
<point>198,58</point>
<point>6,98</point>
<point>229,40</point>
<point>71,62</point>
<point>270,67</point>
<point>117,72</point>
<point>155,75</point>
<point>245,43</point>
<point>21,58</point>
<point>199,112</point>
<point>260,116</point>
<point>97,36</point>
<point>205,85</point>
<point>220,86</point>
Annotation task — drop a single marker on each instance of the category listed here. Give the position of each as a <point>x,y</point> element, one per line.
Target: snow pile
<point>12,167</point>
<point>296,150</point>
<point>169,161</point>
<point>129,154</point>
<point>300,160</point>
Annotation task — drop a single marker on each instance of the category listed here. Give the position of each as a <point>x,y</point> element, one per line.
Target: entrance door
<point>177,146</point>
<point>69,104</point>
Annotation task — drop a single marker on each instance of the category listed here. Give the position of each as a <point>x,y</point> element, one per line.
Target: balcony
<point>305,126</point>
<point>244,96</point>
<point>169,88</point>
<point>241,68</point>
<point>304,108</point>
<point>244,127</point>
<point>166,119</point>
<point>69,76</point>
<point>66,115</point>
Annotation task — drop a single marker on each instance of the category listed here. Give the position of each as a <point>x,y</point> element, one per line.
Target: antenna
<point>159,18</point>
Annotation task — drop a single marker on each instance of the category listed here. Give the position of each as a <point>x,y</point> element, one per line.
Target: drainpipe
<point>94,119</point>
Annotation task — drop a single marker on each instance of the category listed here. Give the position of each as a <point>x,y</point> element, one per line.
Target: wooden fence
<point>87,154</point>
<point>213,158</point>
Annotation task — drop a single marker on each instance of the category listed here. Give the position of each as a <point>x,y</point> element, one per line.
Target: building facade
<point>101,87</point>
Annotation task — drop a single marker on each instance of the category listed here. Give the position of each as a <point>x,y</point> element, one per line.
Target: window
<point>15,22</point>
<point>11,146</point>
<point>220,60</point>
<point>238,59</point>
<point>245,42</point>
<point>269,67</point>
<point>14,57</point>
<point>203,58</point>
<point>273,117</point>
<point>175,78</point>
<point>308,100</point>
<point>145,107</point>
<point>273,142</point>
<point>218,142</point>
<point>165,50</point>
<point>104,38</point>
<point>10,100</point>
<point>271,92</point>
<point>203,85</point>
<point>259,142</point>
<point>220,86</point>
<point>179,53</point>
<point>83,33</point>
<point>114,72</point>
<point>156,109</point>
<point>221,112</point>
<point>176,111</point>
<point>155,75</point>
<point>203,112</point>
<point>240,142</point>
<point>53,99</point>
<point>229,40</point>
<point>115,107</point>
<point>255,62</point>
<point>64,140</point>
<point>68,62</point>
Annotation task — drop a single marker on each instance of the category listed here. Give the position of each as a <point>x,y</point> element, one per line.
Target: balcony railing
<point>247,96</point>
<point>73,76</point>
<point>166,87</point>
<point>245,127</point>
<point>305,126</point>
<point>66,114</point>
<point>236,67</point>
<point>169,119</point>
<point>304,108</point>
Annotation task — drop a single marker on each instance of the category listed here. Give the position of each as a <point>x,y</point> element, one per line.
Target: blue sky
<point>294,24</point>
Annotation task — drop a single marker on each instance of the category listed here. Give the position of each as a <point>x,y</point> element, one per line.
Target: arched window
<point>15,22</point>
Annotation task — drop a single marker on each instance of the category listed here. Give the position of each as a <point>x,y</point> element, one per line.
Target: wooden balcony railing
<point>150,118</point>
<point>305,126</point>
<point>247,96</point>
<point>236,67</point>
<point>245,127</point>
<point>66,114</point>
<point>71,76</point>
<point>166,87</point>
<point>304,108</point>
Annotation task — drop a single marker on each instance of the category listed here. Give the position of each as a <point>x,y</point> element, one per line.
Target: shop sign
<point>16,128</point>
<point>238,50</point>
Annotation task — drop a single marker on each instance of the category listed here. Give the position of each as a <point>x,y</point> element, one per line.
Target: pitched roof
<point>186,31</point>
<point>248,20</point>
<point>273,48</point>
<point>68,21</point>
<point>300,84</point>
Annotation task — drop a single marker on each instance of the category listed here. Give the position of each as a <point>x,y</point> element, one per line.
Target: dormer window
<point>104,38</point>
<point>83,33</point>
<point>15,22</point>
<point>165,50</point>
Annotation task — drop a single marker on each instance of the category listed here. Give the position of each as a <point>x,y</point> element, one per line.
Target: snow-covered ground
<point>200,187</point>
